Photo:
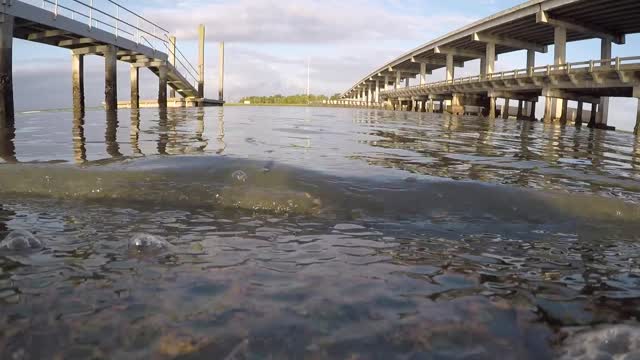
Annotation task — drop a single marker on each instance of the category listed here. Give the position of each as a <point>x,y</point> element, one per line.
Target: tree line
<point>287,100</point>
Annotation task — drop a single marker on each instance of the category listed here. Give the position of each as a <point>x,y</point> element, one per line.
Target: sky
<point>269,44</point>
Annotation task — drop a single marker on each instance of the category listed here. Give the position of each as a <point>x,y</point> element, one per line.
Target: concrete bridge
<point>532,26</point>
<point>108,29</point>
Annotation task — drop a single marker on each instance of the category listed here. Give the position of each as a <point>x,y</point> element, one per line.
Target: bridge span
<point>108,29</point>
<point>532,26</point>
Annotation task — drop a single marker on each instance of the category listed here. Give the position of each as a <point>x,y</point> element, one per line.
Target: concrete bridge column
<point>594,116</point>
<point>6,72</point>
<point>423,74</point>
<point>442,106</point>
<point>579,114</point>
<point>457,104</point>
<point>565,111</point>
<point>396,86</point>
<point>531,63</point>
<point>423,106</point>
<point>77,78</point>
<point>162,91</point>
<point>560,58</point>
<point>492,107</point>
<point>548,106</point>
<point>636,94</point>
<point>519,115</point>
<point>505,109</point>
<point>201,41</point>
<point>450,67</point>
<point>135,87</point>
<point>377,97</point>
<point>386,82</point>
<point>111,78</point>
<point>603,113</point>
<point>490,58</point>
<point>532,114</point>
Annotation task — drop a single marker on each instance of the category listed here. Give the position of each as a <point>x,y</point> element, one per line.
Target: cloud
<point>301,21</point>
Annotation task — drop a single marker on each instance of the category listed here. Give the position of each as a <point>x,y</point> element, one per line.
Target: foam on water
<point>619,342</point>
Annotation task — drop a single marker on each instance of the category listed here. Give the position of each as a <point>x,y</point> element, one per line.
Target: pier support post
<point>370,97</point>
<point>519,116</point>
<point>6,72</point>
<point>578,122</point>
<point>603,109</point>
<point>377,97</point>
<point>111,78</point>
<point>532,114</point>
<point>547,109</point>
<point>636,129</point>
<point>492,107</point>
<point>594,114</point>
<point>490,58</point>
<point>560,58</point>
<point>505,109</point>
<point>201,38</point>
<point>162,89</point>
<point>77,78</point>
<point>565,110</point>
<point>423,106</point>
<point>396,85</point>
<point>135,87</point>
<point>221,72</point>
<point>423,74</point>
<point>172,59</point>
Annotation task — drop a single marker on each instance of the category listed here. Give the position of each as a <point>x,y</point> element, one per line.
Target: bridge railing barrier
<point>591,66</point>
<point>110,16</point>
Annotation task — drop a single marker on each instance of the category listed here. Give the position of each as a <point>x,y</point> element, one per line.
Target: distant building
<point>247,102</point>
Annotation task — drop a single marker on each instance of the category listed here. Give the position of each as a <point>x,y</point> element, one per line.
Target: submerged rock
<point>240,176</point>
<point>148,243</point>
<point>610,342</point>
<point>21,240</point>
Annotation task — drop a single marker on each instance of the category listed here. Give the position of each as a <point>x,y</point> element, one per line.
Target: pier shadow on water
<point>316,233</point>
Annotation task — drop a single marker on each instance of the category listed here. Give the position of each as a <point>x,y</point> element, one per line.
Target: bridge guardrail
<point>590,66</point>
<point>110,16</point>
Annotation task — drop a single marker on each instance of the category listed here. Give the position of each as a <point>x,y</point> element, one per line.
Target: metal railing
<point>617,63</point>
<point>122,22</point>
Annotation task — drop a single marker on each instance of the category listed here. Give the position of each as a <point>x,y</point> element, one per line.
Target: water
<point>289,233</point>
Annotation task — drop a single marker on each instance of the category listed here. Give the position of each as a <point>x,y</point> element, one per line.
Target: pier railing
<point>617,63</point>
<point>109,16</point>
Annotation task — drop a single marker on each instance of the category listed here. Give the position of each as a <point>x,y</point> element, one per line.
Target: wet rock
<point>18,240</point>
<point>148,243</point>
<point>610,342</point>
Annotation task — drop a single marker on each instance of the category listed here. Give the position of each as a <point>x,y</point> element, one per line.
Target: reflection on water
<point>314,233</point>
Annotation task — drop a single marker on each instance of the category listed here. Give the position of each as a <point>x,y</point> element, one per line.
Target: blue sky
<point>269,42</point>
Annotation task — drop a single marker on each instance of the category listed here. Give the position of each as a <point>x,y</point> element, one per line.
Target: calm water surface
<point>316,233</point>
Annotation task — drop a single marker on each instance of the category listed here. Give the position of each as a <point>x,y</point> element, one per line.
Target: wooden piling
<point>162,89</point>
<point>172,59</point>
<point>111,78</point>
<point>77,78</point>
<point>201,42</point>
<point>135,87</point>
<point>7,115</point>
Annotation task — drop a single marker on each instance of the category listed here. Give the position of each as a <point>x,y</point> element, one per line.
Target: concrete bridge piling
<point>532,27</point>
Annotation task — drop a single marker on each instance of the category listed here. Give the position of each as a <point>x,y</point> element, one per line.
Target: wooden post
<point>162,90</point>
<point>77,79</point>
<point>221,74</point>
<point>7,115</point>
<point>201,41</point>
<point>579,114</point>
<point>135,87</point>
<point>172,59</point>
<point>111,78</point>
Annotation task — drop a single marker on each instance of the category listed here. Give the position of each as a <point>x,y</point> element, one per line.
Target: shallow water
<point>288,233</point>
